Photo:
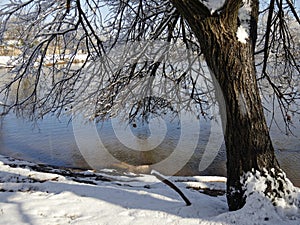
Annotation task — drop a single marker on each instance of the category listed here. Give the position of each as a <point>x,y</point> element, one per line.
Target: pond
<point>72,143</point>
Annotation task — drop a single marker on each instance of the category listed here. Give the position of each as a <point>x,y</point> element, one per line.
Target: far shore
<point>9,61</point>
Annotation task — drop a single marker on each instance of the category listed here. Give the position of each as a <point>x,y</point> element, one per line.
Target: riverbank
<point>39,194</point>
<point>9,61</point>
<point>5,62</point>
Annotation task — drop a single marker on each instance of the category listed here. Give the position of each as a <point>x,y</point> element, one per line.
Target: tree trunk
<point>247,138</point>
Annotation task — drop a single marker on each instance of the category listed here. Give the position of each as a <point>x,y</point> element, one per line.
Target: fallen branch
<point>171,185</point>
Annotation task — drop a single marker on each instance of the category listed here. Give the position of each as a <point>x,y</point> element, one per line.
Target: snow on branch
<point>213,5</point>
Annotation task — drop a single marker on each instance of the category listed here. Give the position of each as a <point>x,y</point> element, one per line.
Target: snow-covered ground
<point>5,61</point>
<point>9,61</point>
<point>35,194</point>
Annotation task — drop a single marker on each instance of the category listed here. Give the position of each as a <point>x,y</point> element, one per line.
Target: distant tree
<point>241,58</point>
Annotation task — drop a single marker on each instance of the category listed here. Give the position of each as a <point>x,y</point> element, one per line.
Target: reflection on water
<point>52,141</point>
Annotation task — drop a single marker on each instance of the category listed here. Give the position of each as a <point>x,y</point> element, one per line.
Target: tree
<point>226,35</point>
<point>232,61</point>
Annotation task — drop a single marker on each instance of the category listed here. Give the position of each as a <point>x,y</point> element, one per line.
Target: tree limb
<point>293,10</point>
<point>171,185</point>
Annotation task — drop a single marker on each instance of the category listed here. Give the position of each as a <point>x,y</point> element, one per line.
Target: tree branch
<point>267,38</point>
<point>293,10</point>
<point>171,185</point>
<point>192,7</point>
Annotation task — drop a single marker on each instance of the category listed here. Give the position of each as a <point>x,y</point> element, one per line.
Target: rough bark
<point>247,138</point>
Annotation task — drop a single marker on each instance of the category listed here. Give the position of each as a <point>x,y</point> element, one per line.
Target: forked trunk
<point>247,139</point>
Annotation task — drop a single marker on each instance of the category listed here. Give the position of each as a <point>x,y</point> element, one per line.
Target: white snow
<point>242,34</point>
<point>10,61</point>
<point>244,17</point>
<point>56,196</point>
<point>243,30</point>
<point>6,61</point>
<point>213,5</point>
<point>287,202</point>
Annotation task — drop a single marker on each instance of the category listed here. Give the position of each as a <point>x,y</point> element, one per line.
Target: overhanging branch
<point>192,7</point>
<point>293,10</point>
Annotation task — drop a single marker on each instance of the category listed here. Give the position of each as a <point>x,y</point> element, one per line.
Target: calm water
<point>53,141</point>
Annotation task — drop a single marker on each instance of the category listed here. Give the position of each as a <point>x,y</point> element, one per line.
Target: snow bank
<point>284,196</point>
<point>36,194</point>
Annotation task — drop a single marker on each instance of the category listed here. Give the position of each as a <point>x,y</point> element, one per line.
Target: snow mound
<point>262,188</point>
